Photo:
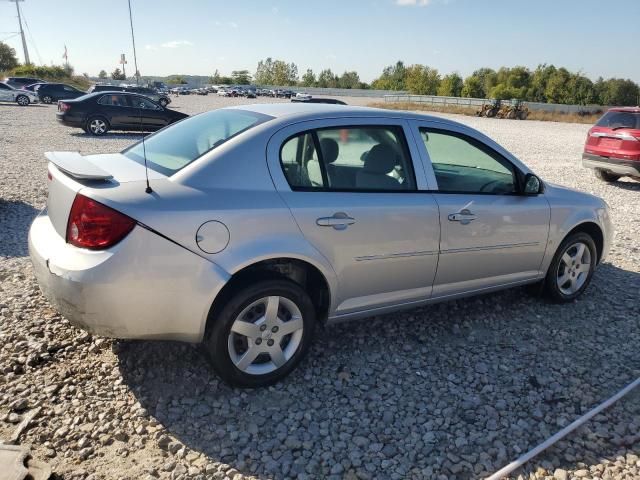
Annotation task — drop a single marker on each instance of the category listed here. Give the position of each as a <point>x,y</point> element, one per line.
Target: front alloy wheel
<point>571,268</point>
<point>22,100</point>
<point>261,334</point>
<point>47,99</point>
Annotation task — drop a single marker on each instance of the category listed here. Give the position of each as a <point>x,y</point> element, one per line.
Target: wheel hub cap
<point>265,335</point>
<point>574,268</point>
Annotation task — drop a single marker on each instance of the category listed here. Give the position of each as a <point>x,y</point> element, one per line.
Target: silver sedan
<point>244,228</point>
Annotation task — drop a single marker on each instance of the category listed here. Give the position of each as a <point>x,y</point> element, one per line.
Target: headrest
<point>380,159</point>
<point>329,149</point>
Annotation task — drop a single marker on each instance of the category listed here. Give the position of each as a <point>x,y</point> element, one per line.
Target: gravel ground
<point>455,390</point>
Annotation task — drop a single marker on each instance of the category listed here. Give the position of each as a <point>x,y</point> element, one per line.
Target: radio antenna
<point>135,64</point>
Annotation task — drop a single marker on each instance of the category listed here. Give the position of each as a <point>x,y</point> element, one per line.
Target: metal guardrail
<point>478,102</point>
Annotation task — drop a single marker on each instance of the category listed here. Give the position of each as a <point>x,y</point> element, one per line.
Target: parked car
<point>250,93</point>
<point>266,220</point>
<point>223,92</point>
<point>612,148</point>
<point>52,92</point>
<point>19,82</point>
<point>162,99</point>
<point>332,101</point>
<point>21,97</point>
<point>32,87</point>
<point>97,113</point>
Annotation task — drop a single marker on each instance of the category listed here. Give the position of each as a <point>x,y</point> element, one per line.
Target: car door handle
<point>339,221</point>
<point>463,216</point>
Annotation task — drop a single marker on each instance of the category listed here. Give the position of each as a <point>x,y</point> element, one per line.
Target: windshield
<point>174,148</point>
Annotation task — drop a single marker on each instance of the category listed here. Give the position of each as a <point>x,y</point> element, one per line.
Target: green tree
<point>392,78</point>
<point>504,92</point>
<point>620,92</point>
<point>241,77</point>
<point>264,72</point>
<point>118,75</point>
<point>308,79</point>
<point>557,90</point>
<point>538,83</point>
<point>421,80</point>
<point>487,78</point>
<point>349,80</point>
<point>102,74</point>
<point>581,89</point>
<point>473,87</point>
<point>451,85</point>
<point>8,59</point>
<point>327,79</point>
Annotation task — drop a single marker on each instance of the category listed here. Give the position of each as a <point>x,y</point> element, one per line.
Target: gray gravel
<point>455,390</point>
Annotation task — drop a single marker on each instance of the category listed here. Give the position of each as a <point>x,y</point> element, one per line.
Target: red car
<point>612,148</point>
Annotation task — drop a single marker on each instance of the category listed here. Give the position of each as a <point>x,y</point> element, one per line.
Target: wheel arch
<point>300,271</point>
<point>594,231</point>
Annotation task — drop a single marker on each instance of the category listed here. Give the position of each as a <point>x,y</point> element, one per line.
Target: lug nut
<point>263,327</point>
<point>270,342</point>
<point>258,341</point>
<point>274,329</point>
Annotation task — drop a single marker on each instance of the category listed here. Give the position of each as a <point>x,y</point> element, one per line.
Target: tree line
<point>546,83</point>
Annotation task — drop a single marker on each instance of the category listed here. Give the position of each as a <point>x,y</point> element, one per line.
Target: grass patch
<point>589,119</point>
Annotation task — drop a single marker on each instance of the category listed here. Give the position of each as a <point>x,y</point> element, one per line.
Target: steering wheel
<point>485,187</point>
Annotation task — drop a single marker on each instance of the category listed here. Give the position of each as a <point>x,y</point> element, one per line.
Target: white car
<point>303,96</point>
<point>21,97</point>
<point>223,93</point>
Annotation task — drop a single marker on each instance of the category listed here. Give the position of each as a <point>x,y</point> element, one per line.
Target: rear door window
<point>114,100</point>
<point>359,158</point>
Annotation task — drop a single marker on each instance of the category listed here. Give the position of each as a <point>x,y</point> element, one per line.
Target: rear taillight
<point>95,226</point>
<point>63,107</point>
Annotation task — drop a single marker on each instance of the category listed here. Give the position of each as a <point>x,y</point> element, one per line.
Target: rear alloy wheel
<point>22,100</point>
<point>97,126</point>
<point>571,268</point>
<point>47,99</point>
<point>163,102</point>
<point>261,334</point>
<point>606,176</point>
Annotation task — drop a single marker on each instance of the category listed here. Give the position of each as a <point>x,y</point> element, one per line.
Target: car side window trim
<point>326,188</point>
<point>518,175</point>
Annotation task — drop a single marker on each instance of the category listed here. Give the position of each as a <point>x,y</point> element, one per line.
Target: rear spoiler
<point>77,166</point>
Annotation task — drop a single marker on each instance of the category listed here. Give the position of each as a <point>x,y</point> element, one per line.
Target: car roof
<point>625,109</point>
<point>308,111</point>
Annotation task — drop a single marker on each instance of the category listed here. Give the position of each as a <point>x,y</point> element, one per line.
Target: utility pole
<point>24,41</point>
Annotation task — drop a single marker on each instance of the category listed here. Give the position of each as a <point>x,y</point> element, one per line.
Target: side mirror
<point>532,185</point>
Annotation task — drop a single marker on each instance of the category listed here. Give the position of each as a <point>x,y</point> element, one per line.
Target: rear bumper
<point>618,166</point>
<point>70,120</point>
<point>144,287</point>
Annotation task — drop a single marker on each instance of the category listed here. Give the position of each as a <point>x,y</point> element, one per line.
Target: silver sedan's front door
<point>491,235</point>
<point>377,229</point>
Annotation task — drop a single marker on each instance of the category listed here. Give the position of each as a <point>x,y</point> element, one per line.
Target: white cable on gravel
<point>503,472</point>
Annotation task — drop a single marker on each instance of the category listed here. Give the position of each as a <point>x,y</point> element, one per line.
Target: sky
<point>197,37</point>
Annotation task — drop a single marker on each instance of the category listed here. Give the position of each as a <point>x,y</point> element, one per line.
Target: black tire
<point>216,342</point>
<point>606,176</point>
<point>97,126</point>
<point>47,99</point>
<point>553,290</point>
<point>22,100</point>
<point>163,102</point>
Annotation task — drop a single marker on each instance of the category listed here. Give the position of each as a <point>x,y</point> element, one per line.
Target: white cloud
<point>150,47</point>
<point>275,10</point>
<point>176,44</point>
<point>413,3</point>
<point>233,24</point>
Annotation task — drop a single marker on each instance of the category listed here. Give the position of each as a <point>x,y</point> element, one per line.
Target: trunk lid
<point>70,172</point>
